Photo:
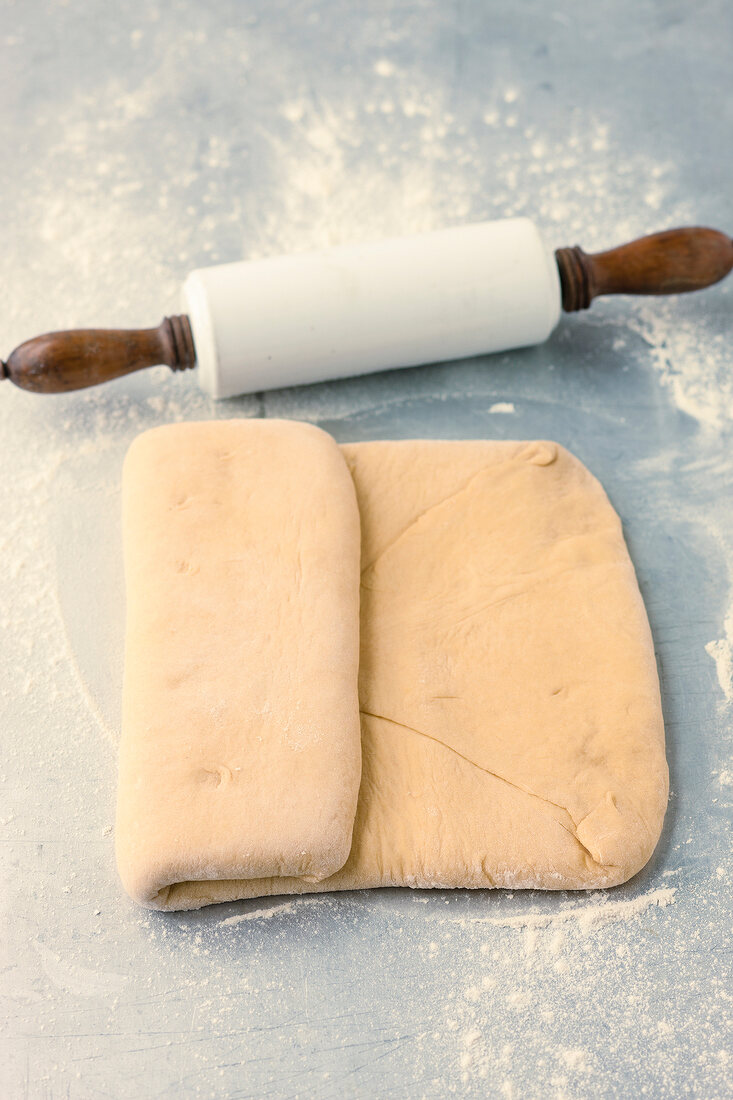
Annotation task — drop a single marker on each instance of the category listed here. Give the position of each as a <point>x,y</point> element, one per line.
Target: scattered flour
<point>600,911</point>
<point>692,360</point>
<point>278,910</point>
<point>564,966</point>
<point>574,1059</point>
<point>82,981</point>
<point>721,651</point>
<point>259,914</point>
<point>384,67</point>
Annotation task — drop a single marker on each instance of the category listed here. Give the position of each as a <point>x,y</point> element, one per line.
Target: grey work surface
<point>141,141</point>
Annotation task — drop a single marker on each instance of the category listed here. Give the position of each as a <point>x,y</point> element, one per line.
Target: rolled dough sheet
<point>510,714</point>
<point>240,753</point>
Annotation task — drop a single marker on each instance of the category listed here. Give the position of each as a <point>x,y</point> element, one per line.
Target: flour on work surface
<point>599,910</point>
<point>282,909</point>
<point>692,359</point>
<point>260,914</point>
<point>721,651</point>
<point>525,976</point>
<point>510,982</point>
<point>589,916</point>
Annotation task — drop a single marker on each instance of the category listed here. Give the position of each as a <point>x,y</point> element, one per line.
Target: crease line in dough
<point>431,508</point>
<point>501,778</point>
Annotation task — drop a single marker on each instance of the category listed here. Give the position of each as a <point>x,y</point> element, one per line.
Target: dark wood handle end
<point>676,261</point>
<point>60,362</point>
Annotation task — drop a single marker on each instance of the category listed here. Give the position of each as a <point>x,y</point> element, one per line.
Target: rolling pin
<point>291,320</point>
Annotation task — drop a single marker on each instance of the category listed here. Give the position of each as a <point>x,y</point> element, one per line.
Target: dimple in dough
<point>511,721</point>
<point>240,753</point>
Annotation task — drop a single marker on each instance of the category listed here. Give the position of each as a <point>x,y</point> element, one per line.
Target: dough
<point>511,722</point>
<point>511,714</point>
<point>240,753</point>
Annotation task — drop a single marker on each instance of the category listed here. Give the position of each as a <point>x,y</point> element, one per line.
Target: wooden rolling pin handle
<point>62,361</point>
<point>673,262</point>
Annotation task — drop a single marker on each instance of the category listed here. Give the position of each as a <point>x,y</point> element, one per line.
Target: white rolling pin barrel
<point>355,309</point>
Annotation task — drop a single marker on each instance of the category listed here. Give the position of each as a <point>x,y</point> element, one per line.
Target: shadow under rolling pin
<point>292,320</point>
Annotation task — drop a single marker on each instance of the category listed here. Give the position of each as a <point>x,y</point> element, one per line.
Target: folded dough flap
<point>240,755</point>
